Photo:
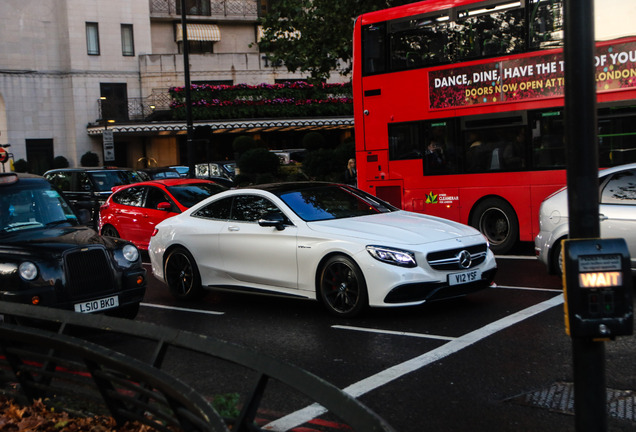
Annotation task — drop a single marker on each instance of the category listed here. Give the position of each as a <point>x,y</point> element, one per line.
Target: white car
<point>617,215</point>
<point>322,241</point>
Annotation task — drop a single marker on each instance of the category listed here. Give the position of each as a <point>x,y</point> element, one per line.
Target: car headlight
<point>130,253</point>
<point>397,257</point>
<point>28,270</point>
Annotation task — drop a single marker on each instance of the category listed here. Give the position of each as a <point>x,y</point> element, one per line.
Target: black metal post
<point>583,203</point>
<point>188,96</point>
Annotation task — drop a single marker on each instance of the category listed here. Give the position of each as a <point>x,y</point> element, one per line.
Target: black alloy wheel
<point>343,289</point>
<point>182,275</point>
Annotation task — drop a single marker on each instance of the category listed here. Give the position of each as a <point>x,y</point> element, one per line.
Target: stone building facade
<point>70,69</point>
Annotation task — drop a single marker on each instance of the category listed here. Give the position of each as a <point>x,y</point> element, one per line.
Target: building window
<point>127,41</point>
<point>92,38</point>
<point>197,47</point>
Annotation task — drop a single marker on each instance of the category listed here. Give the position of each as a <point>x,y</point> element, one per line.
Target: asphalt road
<point>497,360</point>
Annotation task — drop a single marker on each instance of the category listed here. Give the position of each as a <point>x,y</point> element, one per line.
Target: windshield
<point>332,202</point>
<point>33,205</point>
<point>190,194</point>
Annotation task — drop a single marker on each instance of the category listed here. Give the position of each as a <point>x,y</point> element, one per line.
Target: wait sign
<point>600,279</point>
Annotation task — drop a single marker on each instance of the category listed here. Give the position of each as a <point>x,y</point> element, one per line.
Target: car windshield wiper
<point>19,225</point>
<point>57,222</point>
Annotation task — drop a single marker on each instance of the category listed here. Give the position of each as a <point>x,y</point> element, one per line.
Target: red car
<point>132,211</point>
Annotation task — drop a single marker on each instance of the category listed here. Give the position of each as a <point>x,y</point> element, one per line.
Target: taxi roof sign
<point>8,178</point>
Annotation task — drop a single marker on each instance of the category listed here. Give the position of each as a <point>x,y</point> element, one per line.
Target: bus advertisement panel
<point>458,108</point>
<point>523,79</point>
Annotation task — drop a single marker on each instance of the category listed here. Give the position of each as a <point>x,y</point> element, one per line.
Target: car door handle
<point>233,228</point>
<point>602,217</point>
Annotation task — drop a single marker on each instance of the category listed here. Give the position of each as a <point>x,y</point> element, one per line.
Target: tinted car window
<point>620,189</point>
<point>132,196</point>
<point>62,180</point>
<point>105,180</point>
<point>190,194</point>
<point>216,210</point>
<point>154,197</point>
<point>330,202</point>
<point>84,182</point>
<point>32,205</point>
<point>250,208</point>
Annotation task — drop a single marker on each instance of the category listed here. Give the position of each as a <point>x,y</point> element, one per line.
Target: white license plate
<point>464,277</point>
<point>97,305</point>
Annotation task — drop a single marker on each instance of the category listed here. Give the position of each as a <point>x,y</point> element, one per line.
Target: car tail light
<point>154,232</point>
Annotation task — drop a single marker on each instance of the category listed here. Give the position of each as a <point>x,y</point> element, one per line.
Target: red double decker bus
<point>458,107</point>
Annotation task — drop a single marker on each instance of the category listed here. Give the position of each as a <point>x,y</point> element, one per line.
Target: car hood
<point>399,227</point>
<point>50,240</point>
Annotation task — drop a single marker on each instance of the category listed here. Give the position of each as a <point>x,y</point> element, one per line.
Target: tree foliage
<point>314,36</point>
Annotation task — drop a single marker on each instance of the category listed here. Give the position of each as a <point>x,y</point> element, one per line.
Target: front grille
<point>88,272</point>
<point>433,291</point>
<point>450,259</point>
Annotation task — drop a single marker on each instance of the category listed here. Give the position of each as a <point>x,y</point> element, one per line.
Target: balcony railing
<point>212,8</point>
<point>134,109</point>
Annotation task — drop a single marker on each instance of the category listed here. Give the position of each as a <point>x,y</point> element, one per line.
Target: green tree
<point>315,36</point>
<point>60,162</point>
<point>21,166</point>
<point>89,159</point>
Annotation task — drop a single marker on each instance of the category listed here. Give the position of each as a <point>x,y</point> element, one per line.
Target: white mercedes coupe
<point>323,241</point>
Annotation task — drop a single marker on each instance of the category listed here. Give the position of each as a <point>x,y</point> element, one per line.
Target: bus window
<point>548,146</point>
<point>420,42</point>
<point>485,33</point>
<point>546,24</point>
<point>405,141</point>
<point>373,37</point>
<point>440,156</point>
<point>617,136</point>
<point>496,149</point>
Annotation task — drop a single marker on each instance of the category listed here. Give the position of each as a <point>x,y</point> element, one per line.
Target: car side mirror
<point>273,219</point>
<point>165,206</point>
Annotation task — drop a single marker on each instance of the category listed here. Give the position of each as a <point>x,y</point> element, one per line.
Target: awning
<point>200,32</point>
<point>228,126</point>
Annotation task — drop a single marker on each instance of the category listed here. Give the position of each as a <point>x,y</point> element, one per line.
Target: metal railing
<point>134,109</point>
<point>38,363</point>
<point>212,8</point>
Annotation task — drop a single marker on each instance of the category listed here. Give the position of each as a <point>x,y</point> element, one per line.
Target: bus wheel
<point>497,220</point>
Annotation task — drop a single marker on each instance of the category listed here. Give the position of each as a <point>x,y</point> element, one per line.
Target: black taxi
<point>48,258</point>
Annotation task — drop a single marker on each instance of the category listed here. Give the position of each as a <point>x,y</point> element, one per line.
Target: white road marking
<point>360,388</point>
<point>393,332</point>
<point>206,312</point>
<point>517,288</point>
<point>517,257</point>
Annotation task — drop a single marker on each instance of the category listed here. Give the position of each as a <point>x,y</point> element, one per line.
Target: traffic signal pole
<point>188,92</point>
<point>588,354</point>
